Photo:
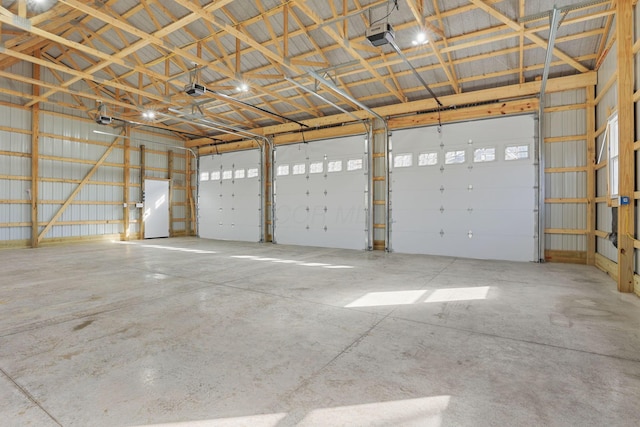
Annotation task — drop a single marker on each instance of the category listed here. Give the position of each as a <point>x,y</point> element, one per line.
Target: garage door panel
<point>482,202</point>
<point>501,198</point>
<point>404,219</point>
<point>511,220</point>
<point>326,208</point>
<point>229,206</point>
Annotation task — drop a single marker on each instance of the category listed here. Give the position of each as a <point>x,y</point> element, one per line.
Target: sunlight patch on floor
<point>426,411</point>
<point>378,299</point>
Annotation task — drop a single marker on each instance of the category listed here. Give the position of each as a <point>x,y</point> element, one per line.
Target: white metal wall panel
<point>608,101</point>
<point>326,207</point>
<point>15,209</point>
<point>472,209</point>
<point>229,204</point>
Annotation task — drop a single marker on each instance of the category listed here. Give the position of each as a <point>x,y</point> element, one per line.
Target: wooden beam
<point>626,122</point>
<point>480,96</point>
<point>191,209</point>
<point>534,38</point>
<point>80,186</point>
<point>120,57</point>
<point>126,179</point>
<point>567,257</point>
<point>238,57</point>
<point>490,110</point>
<point>285,36</point>
<point>345,44</point>
<point>312,135</point>
<point>170,177</point>
<point>417,9</point>
<point>22,9</point>
<point>143,174</point>
<point>35,152</point>
<point>229,147</point>
<point>591,175</point>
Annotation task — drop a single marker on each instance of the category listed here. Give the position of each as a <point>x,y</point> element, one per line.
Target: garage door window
<point>403,160</point>
<point>283,170</point>
<point>516,152</point>
<point>354,164</point>
<point>335,166</point>
<point>252,173</point>
<point>299,169</point>
<point>215,176</point>
<point>239,174</point>
<point>428,159</point>
<point>316,167</point>
<point>484,155</point>
<point>454,157</point>
<point>204,176</point>
<point>227,174</point>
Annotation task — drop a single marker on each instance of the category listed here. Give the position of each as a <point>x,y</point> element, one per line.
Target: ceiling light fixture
<point>150,114</point>
<point>243,87</point>
<point>421,38</point>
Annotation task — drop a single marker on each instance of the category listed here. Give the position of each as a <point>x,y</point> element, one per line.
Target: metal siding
<point>603,109</point>
<point>15,189</point>
<point>66,142</point>
<point>565,184</point>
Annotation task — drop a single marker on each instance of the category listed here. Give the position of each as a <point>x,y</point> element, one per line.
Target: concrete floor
<point>197,332</point>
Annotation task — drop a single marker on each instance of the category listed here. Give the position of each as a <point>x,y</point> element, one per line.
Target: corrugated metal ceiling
<point>478,43</point>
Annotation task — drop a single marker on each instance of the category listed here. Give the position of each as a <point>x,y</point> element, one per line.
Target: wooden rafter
<point>534,38</point>
<point>67,36</point>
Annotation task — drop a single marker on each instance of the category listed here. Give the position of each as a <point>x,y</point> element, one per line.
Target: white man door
<point>156,208</point>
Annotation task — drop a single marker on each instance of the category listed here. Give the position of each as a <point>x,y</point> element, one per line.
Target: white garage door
<point>321,193</point>
<point>466,191</point>
<point>229,202</point>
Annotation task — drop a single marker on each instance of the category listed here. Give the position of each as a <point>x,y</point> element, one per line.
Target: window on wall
<point>204,176</point>
<point>215,176</point>
<point>612,137</point>
<point>252,173</point>
<point>299,169</point>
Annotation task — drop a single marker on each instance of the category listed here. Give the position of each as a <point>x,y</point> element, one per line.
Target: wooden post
<point>238,58</point>
<point>143,172</point>
<point>626,121</point>
<point>187,183</point>
<point>266,187</point>
<point>35,137</point>
<point>285,36</point>
<point>591,175</point>
<point>170,176</point>
<point>127,182</point>
<point>22,8</point>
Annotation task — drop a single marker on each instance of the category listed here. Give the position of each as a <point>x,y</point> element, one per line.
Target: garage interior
<point>276,213</point>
